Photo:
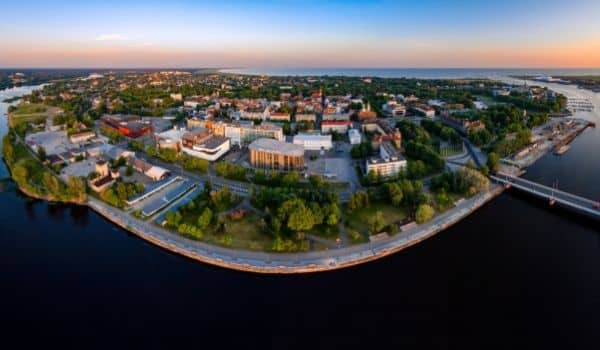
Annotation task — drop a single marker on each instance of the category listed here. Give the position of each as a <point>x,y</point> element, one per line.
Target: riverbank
<point>292,263</point>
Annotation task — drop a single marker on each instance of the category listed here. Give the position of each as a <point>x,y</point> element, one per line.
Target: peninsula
<point>279,174</point>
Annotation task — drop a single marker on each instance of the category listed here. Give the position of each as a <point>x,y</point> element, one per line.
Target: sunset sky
<point>307,33</point>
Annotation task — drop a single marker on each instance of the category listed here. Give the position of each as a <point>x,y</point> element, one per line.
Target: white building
<point>313,142</point>
<point>428,111</point>
<point>394,109</point>
<point>246,132</point>
<point>354,136</point>
<point>191,104</point>
<point>389,162</point>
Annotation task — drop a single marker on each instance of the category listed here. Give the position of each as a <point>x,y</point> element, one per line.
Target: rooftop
<point>274,146</point>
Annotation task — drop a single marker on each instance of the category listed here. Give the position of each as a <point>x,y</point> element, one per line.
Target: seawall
<point>294,263</point>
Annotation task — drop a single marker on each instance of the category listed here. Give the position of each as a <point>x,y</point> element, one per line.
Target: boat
<point>562,150</point>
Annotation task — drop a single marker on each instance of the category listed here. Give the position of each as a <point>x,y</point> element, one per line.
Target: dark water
<point>516,273</point>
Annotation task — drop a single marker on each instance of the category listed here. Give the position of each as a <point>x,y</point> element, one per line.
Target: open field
<point>32,112</point>
<point>244,233</point>
<point>358,220</point>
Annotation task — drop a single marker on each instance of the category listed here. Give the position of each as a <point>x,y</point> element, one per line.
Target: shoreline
<point>296,263</point>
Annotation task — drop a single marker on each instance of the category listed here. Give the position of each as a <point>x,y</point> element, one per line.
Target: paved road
<point>265,262</point>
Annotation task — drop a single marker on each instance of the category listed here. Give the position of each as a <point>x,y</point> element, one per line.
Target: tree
<point>52,184</point>
<point>76,188</point>
<point>296,214</point>
<point>290,179</point>
<point>121,190</point>
<point>493,162</point>
<point>41,151</point>
<point>424,213</point>
<point>301,219</point>
<point>395,194</point>
<point>376,222</point>
<point>205,218</point>
<point>173,218</point>
<point>316,181</point>
<point>129,170</point>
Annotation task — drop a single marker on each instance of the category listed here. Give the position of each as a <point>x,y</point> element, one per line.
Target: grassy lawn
<point>358,220</point>
<point>32,112</point>
<point>325,231</point>
<point>244,233</point>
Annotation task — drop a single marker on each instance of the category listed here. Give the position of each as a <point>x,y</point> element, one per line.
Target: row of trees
<point>230,171</point>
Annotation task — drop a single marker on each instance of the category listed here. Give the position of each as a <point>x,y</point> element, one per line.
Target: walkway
<point>265,262</point>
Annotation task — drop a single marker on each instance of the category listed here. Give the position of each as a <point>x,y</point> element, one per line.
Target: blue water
<point>423,73</point>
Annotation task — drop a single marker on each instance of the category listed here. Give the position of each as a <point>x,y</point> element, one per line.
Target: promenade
<point>288,263</point>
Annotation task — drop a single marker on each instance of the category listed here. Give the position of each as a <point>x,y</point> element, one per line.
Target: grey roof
<point>279,147</point>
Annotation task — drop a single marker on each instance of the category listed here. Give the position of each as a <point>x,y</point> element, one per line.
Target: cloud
<point>111,37</point>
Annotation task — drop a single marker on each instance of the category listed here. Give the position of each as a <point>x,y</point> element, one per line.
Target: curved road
<point>264,262</point>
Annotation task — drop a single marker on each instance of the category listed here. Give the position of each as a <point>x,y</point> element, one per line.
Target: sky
<point>306,33</point>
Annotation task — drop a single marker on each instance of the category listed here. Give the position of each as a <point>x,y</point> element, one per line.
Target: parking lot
<point>54,142</point>
<point>335,164</point>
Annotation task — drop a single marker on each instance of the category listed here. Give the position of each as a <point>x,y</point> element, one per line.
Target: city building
<point>176,97</point>
<point>276,155</point>
<point>366,113</point>
<point>242,133</point>
<point>394,109</point>
<point>201,143</point>
<point>104,179</point>
<point>337,126</point>
<point>354,137</point>
<point>462,125</point>
<point>127,125</point>
<point>305,117</point>
<point>425,110</point>
<point>336,116</point>
<point>390,162</point>
<point>313,142</point>
<point>154,172</point>
<point>383,132</point>
<point>82,136</point>
<point>279,117</point>
<point>170,139</point>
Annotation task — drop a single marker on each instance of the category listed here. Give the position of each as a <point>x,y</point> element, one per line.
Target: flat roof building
<point>354,137</point>
<point>390,162</point>
<point>337,126</point>
<point>276,155</point>
<point>203,144</point>
<point>313,142</point>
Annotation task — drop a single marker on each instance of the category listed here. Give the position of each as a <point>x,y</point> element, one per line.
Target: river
<point>515,273</point>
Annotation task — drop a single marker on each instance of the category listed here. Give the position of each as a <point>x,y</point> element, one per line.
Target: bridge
<point>552,194</point>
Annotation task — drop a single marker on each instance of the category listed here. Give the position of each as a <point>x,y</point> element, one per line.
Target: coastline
<point>295,263</point>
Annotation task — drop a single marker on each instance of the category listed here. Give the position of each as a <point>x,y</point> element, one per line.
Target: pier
<point>552,194</point>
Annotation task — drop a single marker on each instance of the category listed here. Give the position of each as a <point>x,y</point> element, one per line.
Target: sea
<point>420,73</point>
<point>517,273</point>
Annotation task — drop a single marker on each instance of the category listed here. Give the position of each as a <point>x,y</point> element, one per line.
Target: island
<point>279,174</point>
